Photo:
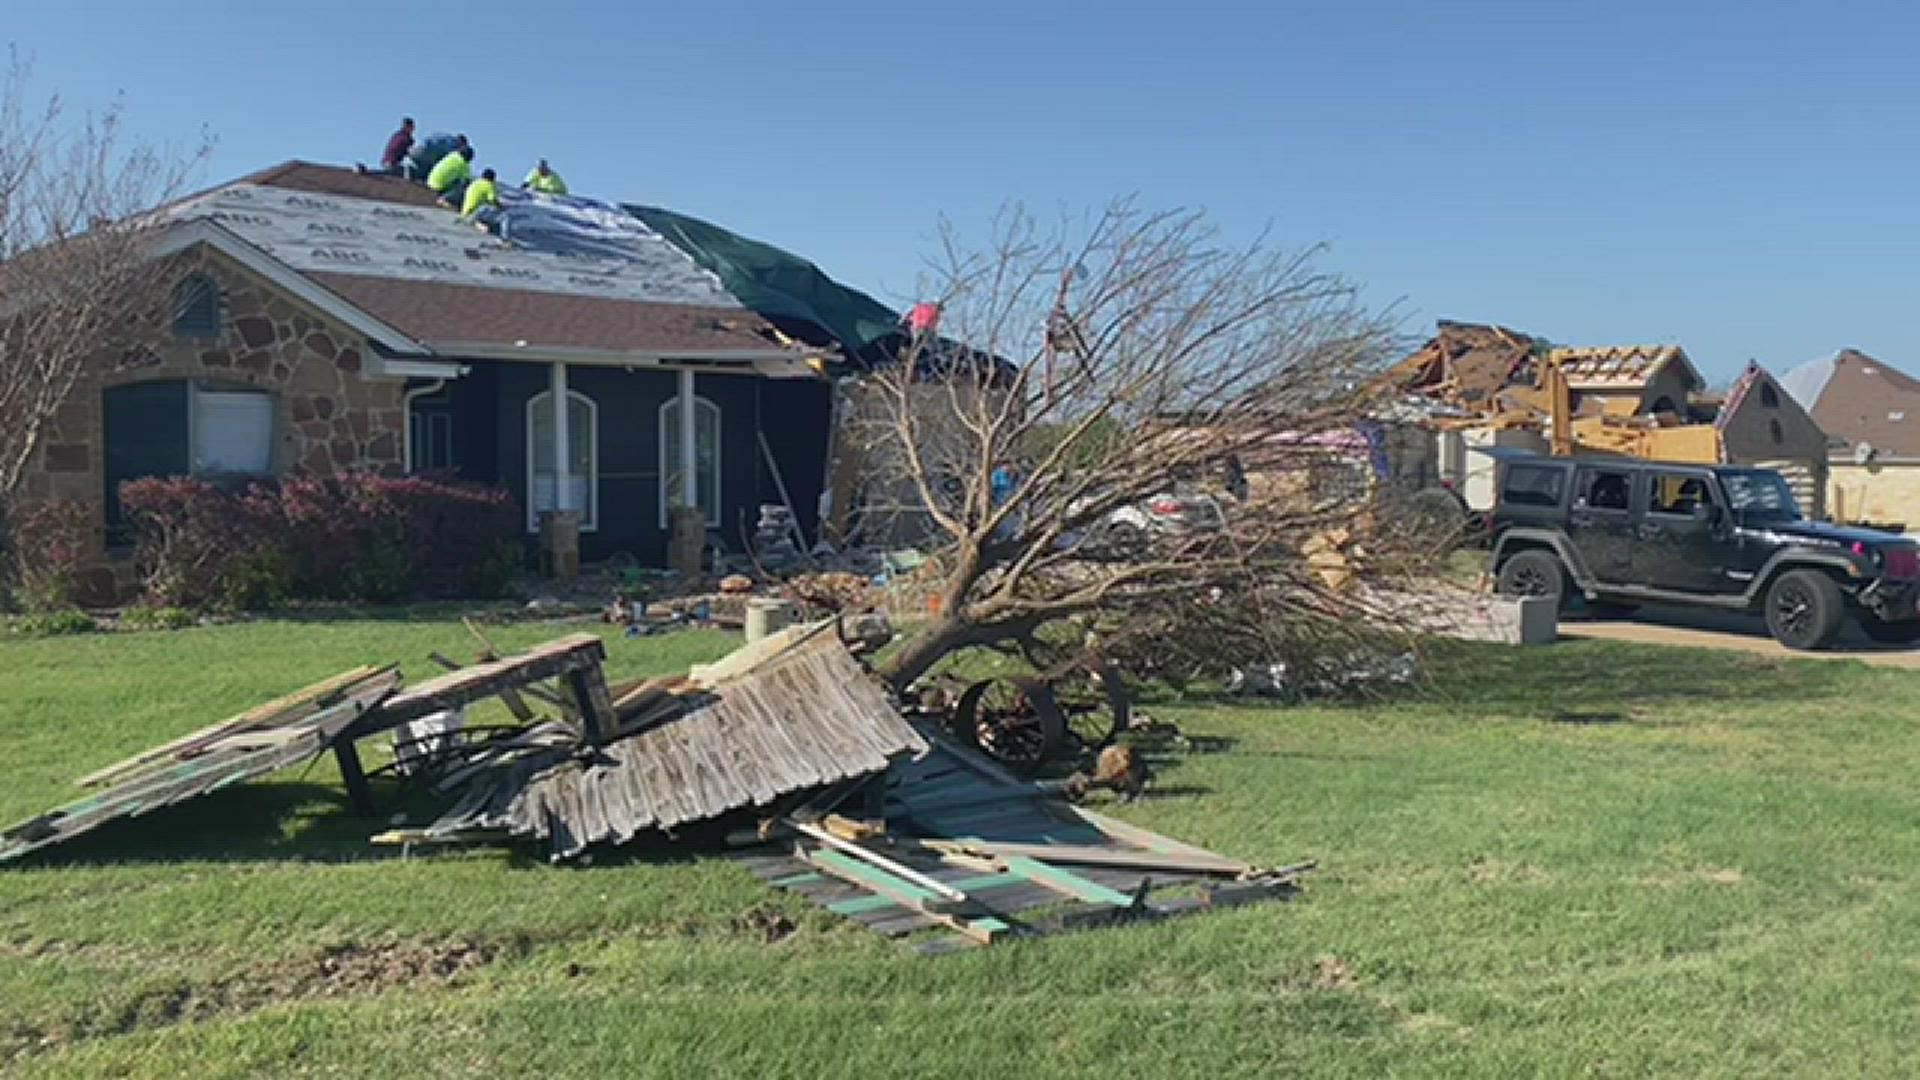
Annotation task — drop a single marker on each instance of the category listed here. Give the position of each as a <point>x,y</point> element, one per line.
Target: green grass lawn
<point>1588,859</point>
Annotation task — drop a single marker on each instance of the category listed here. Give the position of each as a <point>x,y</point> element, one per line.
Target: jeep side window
<point>1606,490</point>
<point>1533,485</point>
<point>1678,493</point>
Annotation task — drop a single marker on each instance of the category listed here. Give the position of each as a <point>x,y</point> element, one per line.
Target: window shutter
<point>145,432</point>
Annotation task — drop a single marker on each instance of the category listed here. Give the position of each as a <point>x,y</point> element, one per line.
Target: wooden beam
<point>470,684</point>
<point>1152,841</point>
<point>597,718</point>
<point>274,713</point>
<point>949,895</point>
<point>1070,884</point>
<point>359,792</point>
<point>985,930</point>
<point>1087,855</point>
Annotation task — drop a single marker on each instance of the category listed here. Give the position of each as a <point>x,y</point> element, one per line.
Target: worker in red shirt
<point>922,321</point>
<point>393,160</point>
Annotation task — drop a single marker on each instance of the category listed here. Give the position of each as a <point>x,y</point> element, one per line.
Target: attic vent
<point>1896,415</point>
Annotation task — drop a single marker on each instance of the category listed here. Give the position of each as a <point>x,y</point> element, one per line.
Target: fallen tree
<point>1120,418</point>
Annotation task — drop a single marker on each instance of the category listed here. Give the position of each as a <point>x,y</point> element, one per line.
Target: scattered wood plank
<point>1073,885</point>
<point>597,718</point>
<point>946,893</point>
<point>274,713</point>
<point>985,929</point>
<point>1087,855</point>
<point>470,684</point>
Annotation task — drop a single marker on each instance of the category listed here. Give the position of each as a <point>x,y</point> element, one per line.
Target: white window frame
<point>194,424</point>
<point>667,409</point>
<point>590,514</point>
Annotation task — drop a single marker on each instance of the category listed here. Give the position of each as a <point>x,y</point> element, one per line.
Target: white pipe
<point>562,480</point>
<point>406,420</point>
<point>689,476</point>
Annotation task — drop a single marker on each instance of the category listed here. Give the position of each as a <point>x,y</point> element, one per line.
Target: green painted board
<point>1069,883</point>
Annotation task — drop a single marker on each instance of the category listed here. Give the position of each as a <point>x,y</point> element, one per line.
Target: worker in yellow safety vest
<point>450,175</point>
<point>481,192</point>
<point>544,180</point>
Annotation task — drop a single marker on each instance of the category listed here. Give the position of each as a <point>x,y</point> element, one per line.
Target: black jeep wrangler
<point>1623,532</point>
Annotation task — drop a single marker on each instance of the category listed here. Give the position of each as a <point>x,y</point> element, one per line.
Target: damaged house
<point>325,321</point>
<point>1485,386</point>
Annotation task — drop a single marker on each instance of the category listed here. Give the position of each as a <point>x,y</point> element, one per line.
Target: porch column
<point>562,480</point>
<point>689,476</point>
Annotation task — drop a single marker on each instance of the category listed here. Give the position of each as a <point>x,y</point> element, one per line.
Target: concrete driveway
<point>1740,633</point>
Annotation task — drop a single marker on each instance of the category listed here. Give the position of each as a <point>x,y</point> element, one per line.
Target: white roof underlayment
<point>577,247</point>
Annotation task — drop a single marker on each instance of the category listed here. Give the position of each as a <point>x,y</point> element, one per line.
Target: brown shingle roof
<point>1865,401</point>
<point>438,314</point>
<point>1467,363</point>
<point>333,180</point>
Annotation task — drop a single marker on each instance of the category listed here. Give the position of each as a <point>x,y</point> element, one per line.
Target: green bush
<point>146,617</point>
<point>50,623</point>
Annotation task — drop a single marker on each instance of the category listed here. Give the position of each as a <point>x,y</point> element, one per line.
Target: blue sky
<point>1740,178</point>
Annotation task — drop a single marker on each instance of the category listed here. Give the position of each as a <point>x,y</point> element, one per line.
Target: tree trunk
<point>924,649</point>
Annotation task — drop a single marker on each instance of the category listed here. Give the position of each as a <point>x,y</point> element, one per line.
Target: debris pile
<point>869,812</point>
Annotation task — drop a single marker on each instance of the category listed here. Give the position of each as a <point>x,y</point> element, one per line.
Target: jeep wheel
<point>1904,632</point>
<point>1533,573</point>
<point>1804,608</point>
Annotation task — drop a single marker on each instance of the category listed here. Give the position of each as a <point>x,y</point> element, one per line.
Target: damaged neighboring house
<point>1488,386</point>
<point>325,321</point>
<point>1870,412</point>
<point>1628,380</point>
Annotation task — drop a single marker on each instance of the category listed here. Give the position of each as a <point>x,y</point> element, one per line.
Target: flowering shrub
<point>352,537</point>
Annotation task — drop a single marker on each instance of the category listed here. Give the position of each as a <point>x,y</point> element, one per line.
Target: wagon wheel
<point>1015,720</point>
<point>1095,702</point>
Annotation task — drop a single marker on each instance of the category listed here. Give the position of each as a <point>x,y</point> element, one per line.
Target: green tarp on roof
<point>776,283</point>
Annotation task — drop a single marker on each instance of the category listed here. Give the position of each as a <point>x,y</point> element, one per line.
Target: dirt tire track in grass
<point>348,969</point>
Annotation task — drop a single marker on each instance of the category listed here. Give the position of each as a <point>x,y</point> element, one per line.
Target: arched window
<point>196,307</point>
<point>583,458</point>
<point>1769,397</point>
<point>706,457</point>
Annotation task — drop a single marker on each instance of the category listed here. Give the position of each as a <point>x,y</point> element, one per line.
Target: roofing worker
<point>544,180</point>
<point>429,152</point>
<point>481,192</point>
<point>450,175</point>
<point>393,159</point>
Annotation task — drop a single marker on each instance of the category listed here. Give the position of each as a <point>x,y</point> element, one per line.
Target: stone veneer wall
<point>329,418</point>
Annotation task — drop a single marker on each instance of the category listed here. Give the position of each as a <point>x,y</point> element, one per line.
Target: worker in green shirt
<point>450,175</point>
<point>481,192</point>
<point>544,180</point>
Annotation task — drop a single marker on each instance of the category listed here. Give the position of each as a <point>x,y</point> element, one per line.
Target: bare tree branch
<point>1149,360</point>
<point>74,279</point>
